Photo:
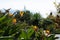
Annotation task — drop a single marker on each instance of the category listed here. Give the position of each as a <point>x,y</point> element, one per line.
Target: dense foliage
<point>27,26</point>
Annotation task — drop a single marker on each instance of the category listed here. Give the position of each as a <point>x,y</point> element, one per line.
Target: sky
<point>42,6</point>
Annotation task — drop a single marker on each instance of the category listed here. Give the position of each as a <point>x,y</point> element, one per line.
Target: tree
<point>36,19</point>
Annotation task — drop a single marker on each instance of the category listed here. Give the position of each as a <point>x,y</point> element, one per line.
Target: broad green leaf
<point>30,32</point>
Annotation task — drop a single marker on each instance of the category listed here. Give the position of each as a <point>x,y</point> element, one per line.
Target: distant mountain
<point>4,10</point>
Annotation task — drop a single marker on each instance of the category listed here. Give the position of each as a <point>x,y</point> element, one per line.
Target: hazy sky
<point>42,6</point>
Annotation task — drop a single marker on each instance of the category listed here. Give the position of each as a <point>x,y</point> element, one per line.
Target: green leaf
<point>30,32</point>
<point>23,35</point>
<point>2,18</point>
